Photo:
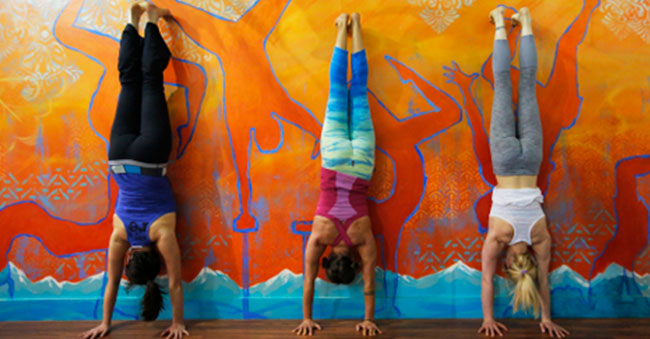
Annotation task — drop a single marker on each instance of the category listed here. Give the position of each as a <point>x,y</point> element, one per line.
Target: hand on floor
<point>307,327</point>
<point>97,332</point>
<point>492,328</point>
<point>368,327</point>
<point>174,331</point>
<point>553,329</point>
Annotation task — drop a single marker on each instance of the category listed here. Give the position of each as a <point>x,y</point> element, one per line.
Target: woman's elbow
<point>175,284</point>
<point>487,278</point>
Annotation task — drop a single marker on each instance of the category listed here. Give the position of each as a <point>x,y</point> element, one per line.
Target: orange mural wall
<point>247,90</point>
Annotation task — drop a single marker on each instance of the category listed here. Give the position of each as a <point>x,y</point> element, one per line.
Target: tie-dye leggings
<point>348,137</point>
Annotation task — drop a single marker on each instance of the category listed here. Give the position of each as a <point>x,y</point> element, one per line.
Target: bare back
<point>165,224</point>
<point>324,231</point>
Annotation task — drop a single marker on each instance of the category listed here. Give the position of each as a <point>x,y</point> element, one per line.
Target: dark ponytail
<point>142,269</point>
<point>152,301</point>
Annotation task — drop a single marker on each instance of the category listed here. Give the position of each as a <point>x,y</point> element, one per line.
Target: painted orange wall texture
<point>247,91</point>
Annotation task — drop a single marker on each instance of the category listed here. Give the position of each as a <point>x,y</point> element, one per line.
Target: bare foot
<point>523,17</point>
<point>342,21</point>
<point>137,9</point>
<point>496,15</point>
<point>355,19</point>
<point>155,13</point>
<point>357,40</point>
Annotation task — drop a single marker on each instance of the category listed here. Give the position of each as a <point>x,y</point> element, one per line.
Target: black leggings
<point>141,129</point>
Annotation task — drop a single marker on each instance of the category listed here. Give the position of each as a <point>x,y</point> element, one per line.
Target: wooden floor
<point>231,329</point>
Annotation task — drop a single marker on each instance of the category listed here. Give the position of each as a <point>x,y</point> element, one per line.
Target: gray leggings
<point>516,146</point>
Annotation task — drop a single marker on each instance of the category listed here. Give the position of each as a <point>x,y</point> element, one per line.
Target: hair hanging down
<point>142,269</point>
<point>340,269</point>
<point>523,271</point>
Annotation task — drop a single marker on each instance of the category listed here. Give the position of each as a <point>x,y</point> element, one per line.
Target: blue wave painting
<point>451,293</point>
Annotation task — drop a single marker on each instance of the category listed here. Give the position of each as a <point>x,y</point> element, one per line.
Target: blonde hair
<point>523,271</point>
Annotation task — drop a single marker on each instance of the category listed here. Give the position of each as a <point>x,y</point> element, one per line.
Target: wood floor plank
<point>263,329</point>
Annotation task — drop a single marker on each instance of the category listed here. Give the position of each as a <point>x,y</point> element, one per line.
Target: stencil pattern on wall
<point>627,16</point>
<point>61,184</point>
<point>440,14</point>
<point>40,65</point>
<point>231,10</point>
<point>578,243</point>
<point>105,16</point>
